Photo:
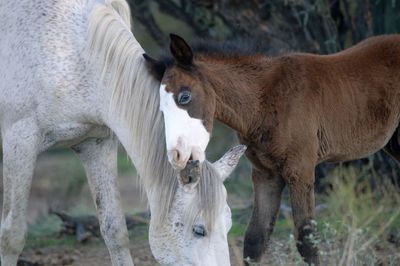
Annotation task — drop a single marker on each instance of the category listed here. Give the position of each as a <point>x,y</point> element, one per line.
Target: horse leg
<point>267,192</point>
<point>20,149</point>
<point>301,190</point>
<point>99,158</point>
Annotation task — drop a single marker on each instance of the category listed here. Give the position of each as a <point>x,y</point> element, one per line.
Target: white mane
<point>113,47</point>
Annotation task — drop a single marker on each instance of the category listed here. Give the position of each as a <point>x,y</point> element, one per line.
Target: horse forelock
<point>210,199</point>
<point>135,99</point>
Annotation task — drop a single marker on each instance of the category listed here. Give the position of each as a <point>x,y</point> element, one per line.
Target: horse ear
<point>228,162</point>
<point>156,68</point>
<point>180,50</point>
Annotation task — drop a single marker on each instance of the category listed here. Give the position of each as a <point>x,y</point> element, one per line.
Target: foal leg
<point>20,149</point>
<point>99,158</point>
<point>301,189</point>
<point>267,191</point>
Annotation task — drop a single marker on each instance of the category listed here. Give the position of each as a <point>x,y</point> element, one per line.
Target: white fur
<point>228,162</point>
<point>182,132</point>
<point>51,95</point>
<point>172,238</point>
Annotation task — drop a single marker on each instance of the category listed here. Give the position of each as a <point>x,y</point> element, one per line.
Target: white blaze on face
<point>184,134</point>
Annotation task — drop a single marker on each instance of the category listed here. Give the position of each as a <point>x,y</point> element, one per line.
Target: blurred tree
<point>279,25</point>
<point>386,16</point>
<point>323,26</point>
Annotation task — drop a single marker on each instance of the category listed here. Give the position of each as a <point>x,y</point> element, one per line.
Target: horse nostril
<point>190,178</point>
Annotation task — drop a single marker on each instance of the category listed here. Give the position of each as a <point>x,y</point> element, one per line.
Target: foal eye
<point>199,231</point>
<point>184,97</point>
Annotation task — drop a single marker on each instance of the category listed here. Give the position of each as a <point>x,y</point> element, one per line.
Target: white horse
<point>51,94</point>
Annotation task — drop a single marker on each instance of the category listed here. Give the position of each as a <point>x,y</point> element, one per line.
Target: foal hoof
<point>250,262</point>
<point>307,243</point>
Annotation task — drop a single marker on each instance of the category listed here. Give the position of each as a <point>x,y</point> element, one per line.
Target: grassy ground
<point>355,228</point>
<point>357,225</point>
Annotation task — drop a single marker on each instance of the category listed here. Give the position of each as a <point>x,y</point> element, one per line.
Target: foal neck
<point>238,83</point>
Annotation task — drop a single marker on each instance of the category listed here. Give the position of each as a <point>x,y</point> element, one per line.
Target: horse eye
<point>199,231</point>
<point>184,97</point>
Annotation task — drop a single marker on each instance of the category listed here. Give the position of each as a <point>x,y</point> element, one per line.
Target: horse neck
<point>238,85</point>
<point>124,125</point>
<point>135,118</point>
<point>131,110</point>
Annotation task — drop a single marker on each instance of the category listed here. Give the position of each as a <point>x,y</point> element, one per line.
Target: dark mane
<point>232,48</point>
<point>238,47</point>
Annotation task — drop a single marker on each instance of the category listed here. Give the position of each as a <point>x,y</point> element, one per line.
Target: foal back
<point>356,96</point>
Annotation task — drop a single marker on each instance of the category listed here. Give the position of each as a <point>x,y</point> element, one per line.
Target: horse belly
<point>70,134</point>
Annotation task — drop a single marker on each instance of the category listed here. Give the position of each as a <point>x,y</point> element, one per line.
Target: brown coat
<point>293,112</point>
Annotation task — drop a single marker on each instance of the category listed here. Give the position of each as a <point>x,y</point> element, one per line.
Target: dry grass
<point>359,226</point>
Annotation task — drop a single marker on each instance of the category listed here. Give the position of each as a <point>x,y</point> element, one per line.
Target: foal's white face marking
<point>185,136</point>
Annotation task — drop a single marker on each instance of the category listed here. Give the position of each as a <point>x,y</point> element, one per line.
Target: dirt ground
<point>59,184</point>
<point>85,256</point>
<point>97,255</point>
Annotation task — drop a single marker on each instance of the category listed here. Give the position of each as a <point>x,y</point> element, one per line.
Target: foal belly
<point>361,143</point>
<point>361,125</point>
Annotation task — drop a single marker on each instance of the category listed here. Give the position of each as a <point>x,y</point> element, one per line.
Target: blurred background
<point>358,203</point>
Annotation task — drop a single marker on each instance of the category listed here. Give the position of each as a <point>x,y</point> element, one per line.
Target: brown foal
<point>292,112</point>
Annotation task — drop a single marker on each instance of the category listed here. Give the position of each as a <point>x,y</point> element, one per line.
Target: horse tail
<point>122,8</point>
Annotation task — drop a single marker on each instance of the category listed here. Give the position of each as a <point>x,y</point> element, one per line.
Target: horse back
<point>43,70</point>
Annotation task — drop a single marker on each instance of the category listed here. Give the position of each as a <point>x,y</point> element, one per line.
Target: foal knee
<point>307,243</point>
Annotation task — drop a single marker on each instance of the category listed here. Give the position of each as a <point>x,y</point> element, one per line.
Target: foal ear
<point>156,68</point>
<point>181,50</point>
<point>228,162</point>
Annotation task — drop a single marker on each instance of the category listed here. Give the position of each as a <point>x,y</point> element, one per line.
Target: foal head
<point>187,102</point>
<point>189,237</point>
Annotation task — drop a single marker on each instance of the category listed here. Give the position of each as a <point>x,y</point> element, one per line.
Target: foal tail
<point>393,146</point>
